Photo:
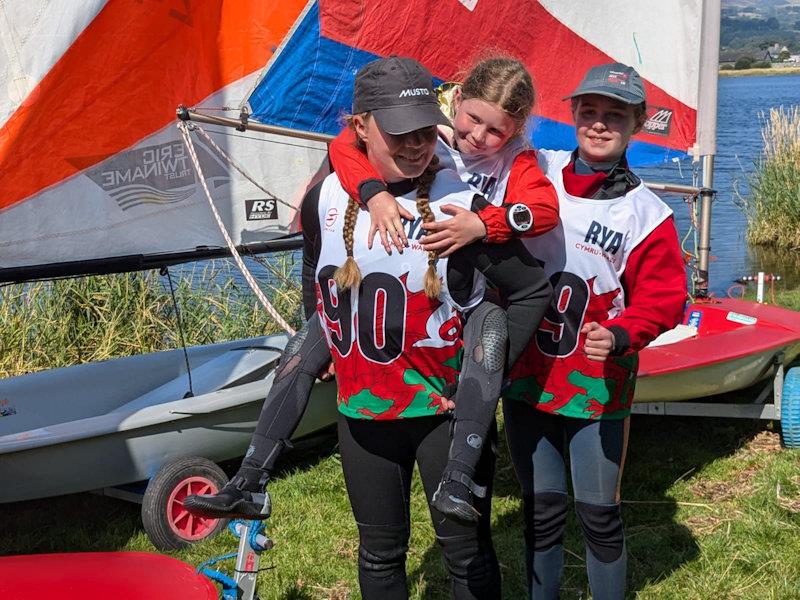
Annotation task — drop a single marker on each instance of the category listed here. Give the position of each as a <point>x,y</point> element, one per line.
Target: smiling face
<point>396,157</point>
<point>604,127</point>
<point>481,128</point>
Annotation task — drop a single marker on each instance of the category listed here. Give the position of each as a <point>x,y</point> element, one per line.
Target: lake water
<point>742,102</point>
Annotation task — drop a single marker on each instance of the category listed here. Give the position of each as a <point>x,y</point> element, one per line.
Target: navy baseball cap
<point>613,80</point>
<point>399,93</point>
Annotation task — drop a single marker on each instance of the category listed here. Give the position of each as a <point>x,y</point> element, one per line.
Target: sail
<point>94,175</point>
<point>309,83</point>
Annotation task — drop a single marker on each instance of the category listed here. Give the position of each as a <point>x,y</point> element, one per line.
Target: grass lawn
<point>711,509</point>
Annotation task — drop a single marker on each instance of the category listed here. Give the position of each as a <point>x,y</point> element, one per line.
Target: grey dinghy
<point>115,422</point>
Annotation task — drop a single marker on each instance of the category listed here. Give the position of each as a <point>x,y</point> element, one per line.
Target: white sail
<point>93,171</point>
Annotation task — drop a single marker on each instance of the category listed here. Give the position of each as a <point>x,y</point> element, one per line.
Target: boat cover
<point>101,576</point>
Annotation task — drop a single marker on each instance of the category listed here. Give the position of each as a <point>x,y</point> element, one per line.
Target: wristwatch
<point>519,218</point>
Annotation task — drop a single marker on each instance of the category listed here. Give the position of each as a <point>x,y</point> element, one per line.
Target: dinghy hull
<point>735,345</point>
<point>142,420</point>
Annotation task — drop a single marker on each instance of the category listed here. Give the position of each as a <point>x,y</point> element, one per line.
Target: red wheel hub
<point>186,525</point>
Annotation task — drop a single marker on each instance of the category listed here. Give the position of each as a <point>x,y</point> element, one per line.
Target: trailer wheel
<point>790,409</point>
<point>167,523</point>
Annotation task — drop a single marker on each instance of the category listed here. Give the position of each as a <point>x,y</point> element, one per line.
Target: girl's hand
<point>448,236</point>
<point>327,373</point>
<point>599,341</point>
<point>445,402</point>
<point>384,214</point>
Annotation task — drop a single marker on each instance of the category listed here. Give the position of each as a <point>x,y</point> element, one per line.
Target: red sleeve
<point>351,164</point>
<point>655,288</point>
<point>526,185</point>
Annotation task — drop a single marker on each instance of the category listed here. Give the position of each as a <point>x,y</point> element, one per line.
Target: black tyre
<point>168,525</point>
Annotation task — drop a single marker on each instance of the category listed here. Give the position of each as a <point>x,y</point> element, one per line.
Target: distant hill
<point>749,27</point>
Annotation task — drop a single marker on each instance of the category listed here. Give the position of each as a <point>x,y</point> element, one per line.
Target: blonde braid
<point>432,284</point>
<point>348,275</point>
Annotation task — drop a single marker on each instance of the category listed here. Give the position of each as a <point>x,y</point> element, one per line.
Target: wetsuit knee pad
<point>291,357</point>
<point>306,352</point>
<point>489,343</point>
<point>545,518</point>
<point>382,551</point>
<point>471,562</point>
<point>486,337</point>
<point>602,527</point>
<point>494,338</point>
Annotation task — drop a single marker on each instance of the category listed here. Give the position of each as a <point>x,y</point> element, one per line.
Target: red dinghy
<point>96,575</point>
<point>727,345</point>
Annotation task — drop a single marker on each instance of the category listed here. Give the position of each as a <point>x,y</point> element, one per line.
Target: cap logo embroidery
<point>618,77</point>
<point>414,92</point>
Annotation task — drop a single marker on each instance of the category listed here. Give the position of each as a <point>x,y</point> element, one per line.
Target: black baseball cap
<point>613,80</point>
<point>399,93</point>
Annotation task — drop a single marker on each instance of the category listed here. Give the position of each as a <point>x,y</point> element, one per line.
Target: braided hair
<point>432,284</point>
<point>348,276</point>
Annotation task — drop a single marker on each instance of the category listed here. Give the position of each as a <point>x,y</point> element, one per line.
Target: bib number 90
<point>381,316</point>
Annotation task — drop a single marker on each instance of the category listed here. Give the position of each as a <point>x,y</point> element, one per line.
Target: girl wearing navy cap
<point>619,281</point>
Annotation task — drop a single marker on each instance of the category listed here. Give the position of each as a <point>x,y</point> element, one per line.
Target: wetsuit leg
<point>536,441</point>
<point>469,554</point>
<point>485,339</point>
<point>305,355</point>
<point>597,451</point>
<point>378,461</point>
<point>516,275</point>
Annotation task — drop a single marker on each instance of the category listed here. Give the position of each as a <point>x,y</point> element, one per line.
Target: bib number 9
<point>561,325</point>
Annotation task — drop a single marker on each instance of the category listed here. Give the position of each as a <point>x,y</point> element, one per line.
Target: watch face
<point>520,217</point>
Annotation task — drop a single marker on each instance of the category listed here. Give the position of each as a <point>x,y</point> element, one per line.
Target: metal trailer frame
<point>757,409</point>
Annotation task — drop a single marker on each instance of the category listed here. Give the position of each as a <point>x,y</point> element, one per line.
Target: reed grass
<point>49,324</point>
<point>774,203</point>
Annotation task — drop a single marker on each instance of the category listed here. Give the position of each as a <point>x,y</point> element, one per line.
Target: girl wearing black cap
<point>392,324</point>
<point>485,145</point>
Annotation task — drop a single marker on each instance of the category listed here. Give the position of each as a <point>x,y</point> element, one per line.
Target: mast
<point>706,146</point>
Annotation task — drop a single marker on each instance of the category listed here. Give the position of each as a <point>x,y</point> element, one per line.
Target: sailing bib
<point>584,256</point>
<point>394,347</point>
<point>487,175</point>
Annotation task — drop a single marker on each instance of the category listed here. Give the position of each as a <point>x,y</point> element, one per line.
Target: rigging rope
<point>165,271</point>
<point>236,166</point>
<point>184,130</point>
